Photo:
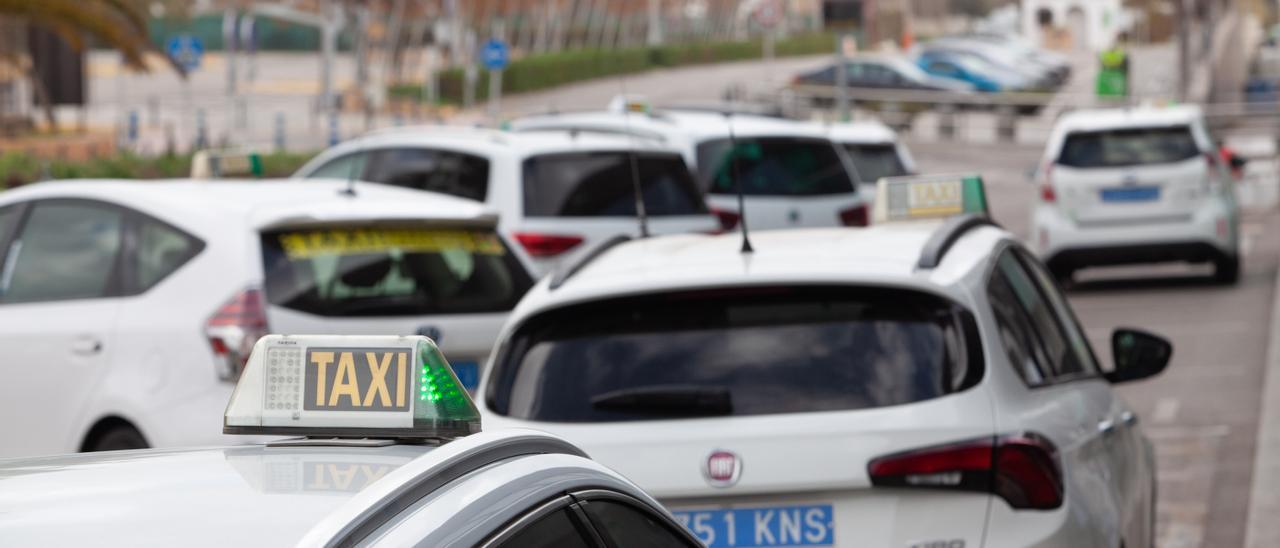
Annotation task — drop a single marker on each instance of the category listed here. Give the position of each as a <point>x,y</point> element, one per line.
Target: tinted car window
<point>1020,342</point>
<point>630,527</point>
<point>161,249</point>
<point>1128,147</point>
<point>773,166</point>
<point>390,271</point>
<point>8,217</point>
<point>350,166</point>
<point>449,172</point>
<point>600,184</point>
<point>744,352</point>
<point>874,161</point>
<point>1044,319</point>
<point>67,250</point>
<point>1066,317</point>
<point>554,530</point>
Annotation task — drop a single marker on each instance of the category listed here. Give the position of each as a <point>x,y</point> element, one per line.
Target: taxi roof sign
<point>350,386</point>
<point>928,197</point>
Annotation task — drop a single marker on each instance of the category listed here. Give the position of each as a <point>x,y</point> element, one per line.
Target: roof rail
<point>591,128</point>
<point>947,235</point>
<point>562,275</point>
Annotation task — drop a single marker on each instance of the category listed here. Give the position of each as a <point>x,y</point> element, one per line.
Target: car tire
<point>117,438</point>
<point>1227,271</point>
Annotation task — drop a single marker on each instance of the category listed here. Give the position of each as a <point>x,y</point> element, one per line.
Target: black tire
<point>1227,271</point>
<point>117,438</point>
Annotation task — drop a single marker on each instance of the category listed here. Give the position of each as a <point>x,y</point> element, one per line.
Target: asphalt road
<point>1202,413</point>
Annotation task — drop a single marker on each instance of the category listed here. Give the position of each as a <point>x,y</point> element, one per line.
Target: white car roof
<point>1119,118</point>
<point>492,142</point>
<point>880,255</point>
<point>693,124</point>
<point>265,201</point>
<point>862,132</point>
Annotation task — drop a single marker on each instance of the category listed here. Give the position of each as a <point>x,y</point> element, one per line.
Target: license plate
<point>812,525</point>
<point>1131,194</point>
<point>468,374</point>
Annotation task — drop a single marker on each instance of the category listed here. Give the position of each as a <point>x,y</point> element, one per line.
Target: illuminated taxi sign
<point>216,164</point>
<point>928,197</point>
<point>350,386</point>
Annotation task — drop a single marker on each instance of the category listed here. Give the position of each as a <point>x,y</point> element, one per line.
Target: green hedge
<point>18,169</point>
<point>539,72</point>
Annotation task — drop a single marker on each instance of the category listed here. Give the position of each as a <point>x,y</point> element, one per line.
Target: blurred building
<point>1091,25</point>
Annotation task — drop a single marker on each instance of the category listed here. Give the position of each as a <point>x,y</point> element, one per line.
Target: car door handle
<point>86,346</point>
<point>1106,427</point>
<point>1129,418</point>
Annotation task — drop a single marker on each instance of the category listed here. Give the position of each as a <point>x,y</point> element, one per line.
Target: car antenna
<point>737,178</point>
<point>642,216</point>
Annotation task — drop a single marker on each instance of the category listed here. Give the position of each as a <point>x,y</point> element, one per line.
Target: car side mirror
<point>1137,355</point>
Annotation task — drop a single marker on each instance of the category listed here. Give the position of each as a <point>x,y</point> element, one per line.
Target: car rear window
<point>1128,147</point>
<point>391,270</point>
<point>874,161</point>
<point>444,171</point>
<point>601,184</point>
<point>773,166</point>
<point>749,351</point>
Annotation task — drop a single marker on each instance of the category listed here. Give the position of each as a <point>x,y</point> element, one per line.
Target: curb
<point>1262,529</point>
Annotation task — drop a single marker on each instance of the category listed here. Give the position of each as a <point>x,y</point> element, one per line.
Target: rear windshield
<point>391,271</point>
<point>752,351</point>
<point>773,166</point>
<point>602,184</point>
<point>444,171</point>
<point>1129,147</point>
<point>875,161</point>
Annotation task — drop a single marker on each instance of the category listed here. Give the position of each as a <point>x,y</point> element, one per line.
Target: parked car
<point>557,193</point>
<point>793,175</point>
<point>874,149</point>
<point>882,71</point>
<point>1060,64</point>
<point>1039,76</point>
<point>129,308</point>
<point>982,74</point>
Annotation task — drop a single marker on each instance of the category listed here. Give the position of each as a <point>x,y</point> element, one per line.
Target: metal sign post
<point>495,58</point>
<point>187,51</point>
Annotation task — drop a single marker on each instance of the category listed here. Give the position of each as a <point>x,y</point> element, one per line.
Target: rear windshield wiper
<point>671,400</point>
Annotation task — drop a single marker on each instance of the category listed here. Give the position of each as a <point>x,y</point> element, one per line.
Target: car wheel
<point>1227,271</point>
<point>118,438</point>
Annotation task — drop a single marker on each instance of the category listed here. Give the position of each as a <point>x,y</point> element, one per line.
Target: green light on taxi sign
<point>350,386</point>
<point>928,197</point>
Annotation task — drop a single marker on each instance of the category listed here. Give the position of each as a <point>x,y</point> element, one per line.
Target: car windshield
<point>391,270</point>
<point>874,161</point>
<point>749,351</point>
<point>1128,147</point>
<point>601,184</point>
<point>773,166</point>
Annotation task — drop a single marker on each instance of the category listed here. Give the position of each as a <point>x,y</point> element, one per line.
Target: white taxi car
<point>1136,185</point>
<point>388,456</point>
<point>913,384</point>
<point>557,194</point>
<point>128,308</point>
<point>793,175</point>
<point>875,150</point>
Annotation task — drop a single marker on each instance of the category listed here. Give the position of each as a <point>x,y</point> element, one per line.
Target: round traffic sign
<point>495,55</point>
<point>769,13</point>
<point>185,50</point>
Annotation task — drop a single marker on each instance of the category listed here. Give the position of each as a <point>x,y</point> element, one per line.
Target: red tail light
<point>1047,194</point>
<point>233,330</point>
<point>546,245</point>
<point>855,216</point>
<point>1022,469</point>
<point>728,219</point>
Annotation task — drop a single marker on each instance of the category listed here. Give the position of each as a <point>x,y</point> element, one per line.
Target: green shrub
<point>19,169</point>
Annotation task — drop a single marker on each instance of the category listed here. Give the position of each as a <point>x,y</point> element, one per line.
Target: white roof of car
<point>884,254</point>
<point>861,131</point>
<point>694,124</point>
<point>266,201</point>
<point>493,142</point>
<point>1118,118</point>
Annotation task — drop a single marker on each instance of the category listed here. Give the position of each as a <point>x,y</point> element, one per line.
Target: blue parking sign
<point>185,50</point>
<point>494,55</point>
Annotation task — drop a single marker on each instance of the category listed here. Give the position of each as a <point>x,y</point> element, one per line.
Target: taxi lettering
<point>940,195</point>
<point>356,379</point>
<point>322,476</point>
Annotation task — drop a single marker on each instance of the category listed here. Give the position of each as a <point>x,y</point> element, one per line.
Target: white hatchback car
<point>874,149</point>
<point>128,308</point>
<point>1138,185</point>
<point>412,473</point>
<point>557,194</point>
<point>910,384</point>
<point>794,176</point>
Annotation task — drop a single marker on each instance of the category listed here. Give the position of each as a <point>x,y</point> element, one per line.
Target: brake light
<point>546,245</point>
<point>728,219</point>
<point>855,216</point>
<point>1047,193</point>
<point>233,330</point>
<point>1022,469</point>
